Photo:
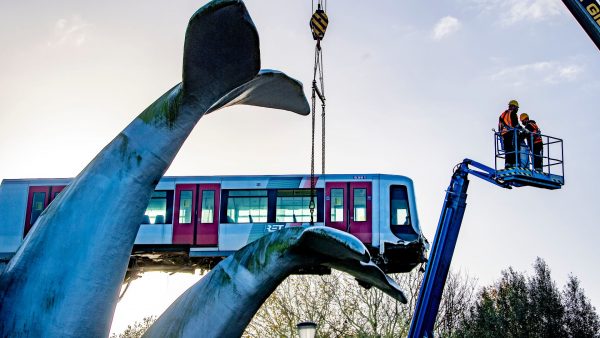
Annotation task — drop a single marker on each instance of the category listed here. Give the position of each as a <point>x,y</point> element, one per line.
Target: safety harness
<point>505,122</point>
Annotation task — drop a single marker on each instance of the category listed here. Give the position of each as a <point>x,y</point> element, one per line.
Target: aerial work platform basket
<point>550,172</point>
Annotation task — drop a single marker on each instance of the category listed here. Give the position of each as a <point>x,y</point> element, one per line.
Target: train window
<point>37,206</point>
<point>360,205</point>
<point>185,207</point>
<point>337,205</point>
<point>247,206</point>
<point>157,208</point>
<point>293,206</point>
<point>400,214</point>
<point>208,206</point>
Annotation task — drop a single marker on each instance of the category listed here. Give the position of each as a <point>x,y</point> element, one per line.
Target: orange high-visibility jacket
<point>535,130</point>
<point>508,120</point>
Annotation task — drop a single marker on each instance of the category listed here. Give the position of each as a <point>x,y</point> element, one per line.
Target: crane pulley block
<point>318,24</point>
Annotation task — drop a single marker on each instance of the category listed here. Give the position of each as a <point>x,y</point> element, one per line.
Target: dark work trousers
<point>509,149</point>
<point>538,155</point>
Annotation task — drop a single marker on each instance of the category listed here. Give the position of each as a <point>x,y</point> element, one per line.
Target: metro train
<point>193,222</point>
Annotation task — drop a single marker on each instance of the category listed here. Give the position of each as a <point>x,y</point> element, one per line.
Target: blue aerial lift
<point>446,235</point>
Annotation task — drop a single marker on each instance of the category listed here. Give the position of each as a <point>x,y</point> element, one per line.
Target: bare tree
<point>137,329</point>
<point>343,309</point>
<point>458,297</point>
<point>297,299</point>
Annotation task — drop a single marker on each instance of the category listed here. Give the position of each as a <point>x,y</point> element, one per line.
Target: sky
<point>412,88</point>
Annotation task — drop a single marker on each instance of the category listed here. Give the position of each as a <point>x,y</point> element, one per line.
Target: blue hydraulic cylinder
<point>446,235</point>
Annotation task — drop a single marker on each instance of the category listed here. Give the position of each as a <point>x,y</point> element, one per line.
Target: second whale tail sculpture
<point>65,278</point>
<point>224,301</point>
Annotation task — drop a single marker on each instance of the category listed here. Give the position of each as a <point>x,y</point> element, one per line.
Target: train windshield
<point>399,209</point>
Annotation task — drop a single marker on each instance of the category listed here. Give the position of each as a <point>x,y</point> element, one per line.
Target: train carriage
<point>195,221</point>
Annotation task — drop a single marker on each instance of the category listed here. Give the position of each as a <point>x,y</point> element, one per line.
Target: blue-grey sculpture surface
<point>65,278</point>
<point>224,301</point>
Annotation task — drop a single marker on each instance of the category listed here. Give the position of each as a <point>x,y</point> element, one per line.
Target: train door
<point>348,207</point>
<point>55,191</point>
<point>37,201</point>
<point>196,220</point>
<point>336,205</point>
<point>360,211</point>
<point>207,229</point>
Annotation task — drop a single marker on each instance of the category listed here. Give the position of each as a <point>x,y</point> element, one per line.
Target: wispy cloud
<point>510,12</point>
<point>539,72</point>
<point>446,26</point>
<point>72,31</point>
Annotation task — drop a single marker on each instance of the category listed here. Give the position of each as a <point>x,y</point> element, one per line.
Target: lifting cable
<point>318,25</point>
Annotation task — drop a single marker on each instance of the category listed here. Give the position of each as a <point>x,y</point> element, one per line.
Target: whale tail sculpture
<point>64,280</point>
<point>224,301</point>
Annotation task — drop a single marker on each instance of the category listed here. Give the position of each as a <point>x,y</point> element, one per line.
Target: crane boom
<point>587,13</point>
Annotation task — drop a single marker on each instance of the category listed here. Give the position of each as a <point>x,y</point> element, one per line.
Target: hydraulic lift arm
<point>444,242</point>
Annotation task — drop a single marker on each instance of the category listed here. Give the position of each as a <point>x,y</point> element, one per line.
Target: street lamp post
<point>307,329</point>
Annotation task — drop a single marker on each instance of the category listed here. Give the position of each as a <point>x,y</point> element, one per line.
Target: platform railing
<point>552,152</point>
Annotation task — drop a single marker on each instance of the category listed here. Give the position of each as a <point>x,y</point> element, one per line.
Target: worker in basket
<point>534,136</point>
<point>507,123</point>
